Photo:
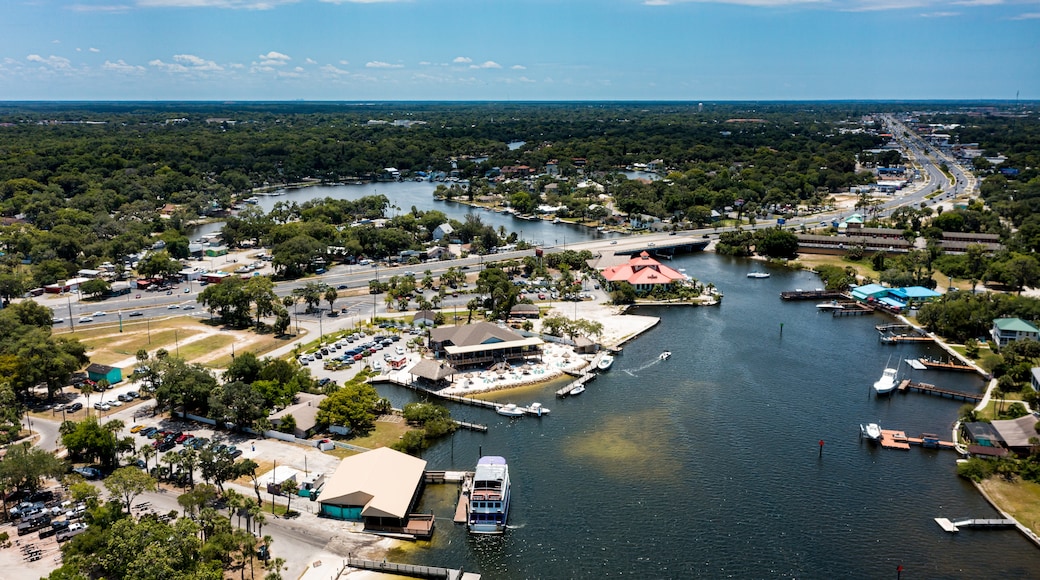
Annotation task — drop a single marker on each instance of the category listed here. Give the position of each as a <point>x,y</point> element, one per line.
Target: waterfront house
<point>379,488</point>
<point>1034,378</point>
<point>643,273</point>
<point>304,412</point>
<point>442,231</point>
<point>1011,434</point>
<point>1006,330</point>
<point>98,372</point>
<point>435,373</point>
<point>481,343</point>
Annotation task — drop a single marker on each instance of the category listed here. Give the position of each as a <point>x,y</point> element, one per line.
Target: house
<point>98,372</point>
<point>441,231</point>
<point>439,253</point>
<point>552,167</point>
<point>869,292</point>
<point>304,412</point>
<point>1013,434</point>
<point>481,343</point>
<point>524,310</point>
<point>1034,378</point>
<point>643,273</point>
<point>215,251</point>
<point>424,318</point>
<point>379,488</point>
<point>1007,330</point>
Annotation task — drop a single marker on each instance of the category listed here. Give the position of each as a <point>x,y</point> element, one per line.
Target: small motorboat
<point>870,431</point>
<point>605,362</point>
<point>665,355</point>
<point>537,410</point>
<point>758,274</point>
<point>510,410</point>
<point>577,390</point>
<point>832,305</point>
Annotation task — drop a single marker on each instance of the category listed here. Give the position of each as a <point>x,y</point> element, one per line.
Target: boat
<point>488,506</point>
<point>556,220</point>
<point>510,410</point>
<point>758,274</point>
<point>871,431</point>
<point>665,355</point>
<point>887,383</point>
<point>577,390</point>
<point>605,362</point>
<point>536,409</point>
<point>832,305</point>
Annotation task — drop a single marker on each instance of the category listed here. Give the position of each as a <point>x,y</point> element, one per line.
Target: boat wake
<point>632,372</point>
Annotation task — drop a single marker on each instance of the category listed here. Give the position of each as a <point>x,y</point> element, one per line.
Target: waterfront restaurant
<point>643,273</point>
<point>481,343</point>
<point>380,488</point>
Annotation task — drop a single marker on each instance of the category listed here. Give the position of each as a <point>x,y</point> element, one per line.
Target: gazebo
<point>436,372</point>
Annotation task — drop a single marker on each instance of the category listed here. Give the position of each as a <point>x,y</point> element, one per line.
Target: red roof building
<point>644,273</point>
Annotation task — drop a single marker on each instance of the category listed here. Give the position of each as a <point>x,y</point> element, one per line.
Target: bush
<point>976,469</point>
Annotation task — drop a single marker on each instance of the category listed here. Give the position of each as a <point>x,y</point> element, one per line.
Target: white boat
<point>577,390</point>
<point>665,355</point>
<point>488,506</point>
<point>536,409</point>
<point>832,305</point>
<point>758,274</point>
<point>556,220</point>
<point>605,362</point>
<point>887,383</point>
<point>871,431</point>
<point>510,410</point>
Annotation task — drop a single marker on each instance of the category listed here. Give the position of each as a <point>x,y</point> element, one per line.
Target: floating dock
<point>908,385</point>
<point>460,508</point>
<point>954,527</point>
<point>894,439</point>
<point>582,380</point>
<point>915,364</point>
<point>812,295</point>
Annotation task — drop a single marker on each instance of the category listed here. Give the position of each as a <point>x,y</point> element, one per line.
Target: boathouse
<point>643,273</point>
<point>481,343</point>
<point>1007,330</point>
<point>380,488</point>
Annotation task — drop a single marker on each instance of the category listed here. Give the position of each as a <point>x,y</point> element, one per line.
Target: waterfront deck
<point>954,526</point>
<point>853,309</point>
<point>908,385</point>
<point>812,295</point>
<point>898,338</point>
<point>534,411</point>
<point>895,439</point>
<point>405,569</point>
<point>581,380</point>
<point>947,365</point>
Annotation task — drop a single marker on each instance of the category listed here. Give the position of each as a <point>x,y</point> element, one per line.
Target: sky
<point>518,50</point>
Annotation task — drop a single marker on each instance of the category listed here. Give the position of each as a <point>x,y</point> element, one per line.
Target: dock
<point>581,380</point>
<point>908,385</point>
<point>946,366</point>
<point>406,569</point>
<point>853,309</point>
<point>897,338</point>
<point>461,508</point>
<point>884,328</point>
<point>818,294</point>
<point>471,426</point>
<point>895,439</point>
<point>915,364</point>
<point>954,527</point>
<point>529,410</point>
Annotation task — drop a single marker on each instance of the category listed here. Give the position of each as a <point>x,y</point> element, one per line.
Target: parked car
<point>137,428</point>
<point>173,306</point>
<point>74,407</point>
<point>88,472</point>
<point>149,431</point>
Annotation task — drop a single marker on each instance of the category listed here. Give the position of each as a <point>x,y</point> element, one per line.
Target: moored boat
<point>887,383</point>
<point>510,410</point>
<point>536,409</point>
<point>578,390</point>
<point>758,274</point>
<point>605,362</point>
<point>832,305</point>
<point>870,431</point>
<point>488,506</point>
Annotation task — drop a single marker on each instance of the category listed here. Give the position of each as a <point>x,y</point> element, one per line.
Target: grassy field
<point>1021,499</point>
<point>384,435</point>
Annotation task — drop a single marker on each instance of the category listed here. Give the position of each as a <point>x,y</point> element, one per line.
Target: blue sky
<point>696,50</point>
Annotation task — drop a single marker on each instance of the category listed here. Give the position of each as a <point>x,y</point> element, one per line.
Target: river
<point>708,464</point>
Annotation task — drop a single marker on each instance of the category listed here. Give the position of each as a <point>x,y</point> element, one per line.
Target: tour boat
<point>887,383</point>
<point>578,390</point>
<point>758,274</point>
<point>510,410</point>
<point>605,362</point>
<point>488,506</point>
<point>871,431</point>
<point>832,305</point>
<point>665,355</point>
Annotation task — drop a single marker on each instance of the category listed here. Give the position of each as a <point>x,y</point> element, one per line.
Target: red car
<point>357,356</point>
<point>184,437</point>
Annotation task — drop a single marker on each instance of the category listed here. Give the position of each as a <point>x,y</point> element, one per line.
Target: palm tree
<point>289,488</point>
<point>148,452</point>
<point>256,516</point>
<point>235,503</point>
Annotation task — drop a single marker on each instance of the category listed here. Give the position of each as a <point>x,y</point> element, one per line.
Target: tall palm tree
<point>148,452</point>
<point>234,501</point>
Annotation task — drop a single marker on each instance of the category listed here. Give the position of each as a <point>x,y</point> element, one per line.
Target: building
<point>379,488</point>
<point>442,231</point>
<point>304,412</point>
<point>481,343</point>
<point>1034,378</point>
<point>1007,330</point>
<point>1011,434</point>
<point>424,318</point>
<point>98,372</point>
<point>524,310</point>
<point>643,273</point>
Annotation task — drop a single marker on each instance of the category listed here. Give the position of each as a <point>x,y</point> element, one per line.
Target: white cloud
<point>979,2</point>
<point>310,61</point>
<point>55,62</point>
<point>462,60</point>
<point>234,4</point>
<point>380,64</point>
<point>197,63</point>
<point>360,1</point>
<point>344,62</point>
<point>486,64</point>
<point>171,67</point>
<point>122,67</point>
<point>1027,16</point>
<point>55,42</point>
<point>92,49</point>
<point>276,56</point>
<point>518,67</point>
<point>333,70</point>
<point>939,14</point>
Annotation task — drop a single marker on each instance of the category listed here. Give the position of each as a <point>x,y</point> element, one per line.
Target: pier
<point>853,309</point>
<point>537,411</point>
<point>897,338</point>
<point>406,569</point>
<point>461,508</point>
<point>954,527</point>
<point>908,385</point>
<point>582,380</point>
<point>947,366</point>
<point>895,439</point>
<point>818,294</point>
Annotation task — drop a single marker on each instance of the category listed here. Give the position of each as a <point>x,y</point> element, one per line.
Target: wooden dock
<point>894,439</point>
<point>947,366</point>
<point>954,527</point>
<point>891,439</point>
<point>908,385</point>
<point>897,338</point>
<point>853,309</point>
<point>471,426</point>
<point>812,295</point>
<point>885,328</point>
<point>582,380</point>
<point>406,569</point>
<point>462,507</point>
<point>531,410</point>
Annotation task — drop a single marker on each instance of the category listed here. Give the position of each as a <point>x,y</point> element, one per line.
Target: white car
<point>115,403</point>
<point>99,313</point>
<point>173,306</point>
<point>85,320</point>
